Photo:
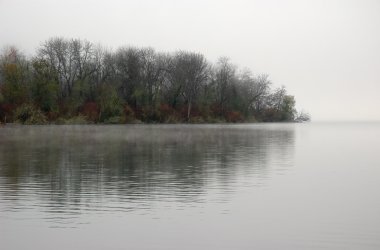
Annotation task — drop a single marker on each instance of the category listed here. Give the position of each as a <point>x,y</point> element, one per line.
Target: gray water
<point>262,186</point>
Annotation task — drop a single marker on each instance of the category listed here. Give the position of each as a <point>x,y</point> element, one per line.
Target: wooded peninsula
<point>73,81</point>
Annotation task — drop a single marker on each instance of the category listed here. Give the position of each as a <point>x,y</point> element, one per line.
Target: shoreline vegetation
<point>73,81</point>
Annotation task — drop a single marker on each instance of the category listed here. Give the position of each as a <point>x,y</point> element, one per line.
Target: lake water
<point>261,186</point>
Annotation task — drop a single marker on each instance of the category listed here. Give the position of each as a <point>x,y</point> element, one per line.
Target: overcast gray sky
<point>326,52</point>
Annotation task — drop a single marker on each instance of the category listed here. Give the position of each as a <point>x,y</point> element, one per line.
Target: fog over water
<point>326,53</point>
<point>264,186</point>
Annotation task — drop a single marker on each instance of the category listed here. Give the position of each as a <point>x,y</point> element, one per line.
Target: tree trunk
<point>188,110</point>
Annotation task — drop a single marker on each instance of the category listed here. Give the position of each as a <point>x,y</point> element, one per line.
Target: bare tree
<point>277,98</point>
<point>128,66</point>
<point>189,72</point>
<point>73,76</point>
<point>15,73</point>
<point>302,117</point>
<point>256,89</point>
<point>84,58</point>
<point>153,73</point>
<point>71,59</point>
<point>224,79</point>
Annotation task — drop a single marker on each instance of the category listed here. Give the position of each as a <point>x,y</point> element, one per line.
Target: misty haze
<point>189,124</point>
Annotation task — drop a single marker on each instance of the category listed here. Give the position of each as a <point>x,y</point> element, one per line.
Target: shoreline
<point>152,123</point>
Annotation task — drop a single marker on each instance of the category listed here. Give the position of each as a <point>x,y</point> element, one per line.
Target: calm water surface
<point>266,186</point>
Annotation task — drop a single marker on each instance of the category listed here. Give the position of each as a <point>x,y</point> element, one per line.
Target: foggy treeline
<point>76,81</point>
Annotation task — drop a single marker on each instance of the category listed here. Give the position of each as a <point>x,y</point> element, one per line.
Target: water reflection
<point>62,172</point>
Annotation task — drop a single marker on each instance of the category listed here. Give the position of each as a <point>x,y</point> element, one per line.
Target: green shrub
<point>110,105</point>
<point>28,114</point>
<point>197,119</point>
<point>173,119</point>
<point>252,119</point>
<point>1,96</point>
<point>60,121</point>
<point>114,120</point>
<point>214,119</point>
<point>129,114</point>
<point>37,118</point>
<point>76,120</point>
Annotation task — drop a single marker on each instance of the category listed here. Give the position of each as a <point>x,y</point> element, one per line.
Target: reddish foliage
<point>128,111</point>
<point>166,110</point>
<point>182,111</point>
<point>52,116</point>
<point>233,116</point>
<point>91,111</point>
<point>6,112</point>
<point>216,109</point>
<point>195,111</point>
<point>62,108</point>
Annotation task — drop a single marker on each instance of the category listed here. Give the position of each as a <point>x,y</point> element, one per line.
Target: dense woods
<point>76,81</point>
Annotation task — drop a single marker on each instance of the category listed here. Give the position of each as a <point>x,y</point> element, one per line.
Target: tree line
<point>76,81</point>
